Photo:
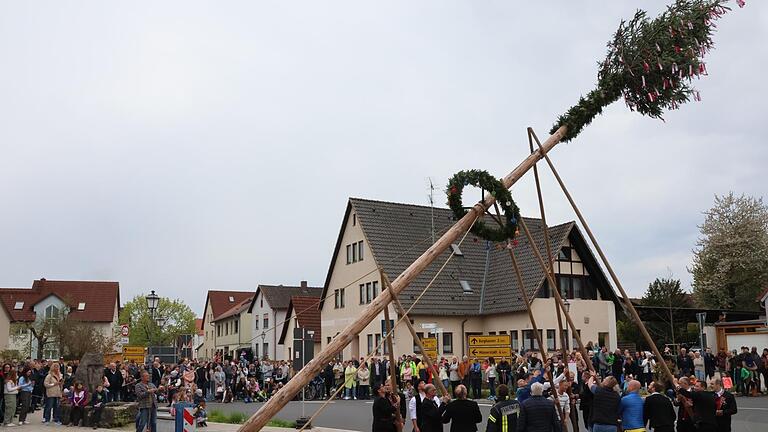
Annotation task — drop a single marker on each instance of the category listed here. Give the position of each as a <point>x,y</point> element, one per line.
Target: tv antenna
<point>432,206</point>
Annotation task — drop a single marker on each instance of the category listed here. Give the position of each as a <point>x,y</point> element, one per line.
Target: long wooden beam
<point>259,419</point>
<point>628,306</point>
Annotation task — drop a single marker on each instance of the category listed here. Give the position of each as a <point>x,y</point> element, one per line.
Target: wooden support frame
<point>259,419</point>
<point>393,369</point>
<point>628,306</point>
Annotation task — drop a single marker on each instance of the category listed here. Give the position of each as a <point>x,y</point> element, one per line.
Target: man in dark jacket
<point>658,411</point>
<point>703,405</point>
<point>684,363</point>
<point>537,414</point>
<point>503,415</point>
<point>432,414</point>
<point>463,414</point>
<point>328,378</point>
<point>725,405</point>
<point>115,380</point>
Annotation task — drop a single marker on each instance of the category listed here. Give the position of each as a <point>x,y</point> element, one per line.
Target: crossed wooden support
<point>394,288</point>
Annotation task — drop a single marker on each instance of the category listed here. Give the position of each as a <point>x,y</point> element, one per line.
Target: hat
<point>376,387</point>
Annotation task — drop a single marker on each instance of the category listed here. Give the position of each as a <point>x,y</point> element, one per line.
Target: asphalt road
<point>356,415</point>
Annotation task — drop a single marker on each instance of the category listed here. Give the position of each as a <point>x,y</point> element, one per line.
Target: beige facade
<point>595,319</point>
<point>207,348</point>
<point>233,333</point>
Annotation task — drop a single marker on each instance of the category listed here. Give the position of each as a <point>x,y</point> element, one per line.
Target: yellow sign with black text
<point>430,344</point>
<point>486,341</point>
<point>482,352</point>
<point>133,353</point>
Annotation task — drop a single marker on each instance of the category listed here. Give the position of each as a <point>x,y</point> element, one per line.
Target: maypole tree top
<point>651,63</point>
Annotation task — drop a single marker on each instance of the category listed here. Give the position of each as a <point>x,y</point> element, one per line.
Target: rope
<point>392,330</point>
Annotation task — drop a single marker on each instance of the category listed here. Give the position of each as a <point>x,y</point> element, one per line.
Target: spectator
<point>79,398</point>
<point>364,381</point>
<point>147,404</point>
<point>98,399</point>
<point>631,407</point>
<point>503,415</point>
<point>605,404</point>
<point>10,392</point>
<point>725,406</point>
<point>114,382</point>
<point>53,388</point>
<point>432,410</point>
<point>26,386</point>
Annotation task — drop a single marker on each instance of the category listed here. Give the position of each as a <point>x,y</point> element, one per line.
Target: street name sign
<point>490,351</point>
<point>488,341</point>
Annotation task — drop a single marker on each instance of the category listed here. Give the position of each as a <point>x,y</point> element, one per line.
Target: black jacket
<point>115,379</point>
<point>703,406</point>
<point>431,416</point>
<point>658,411</point>
<point>503,417</point>
<point>537,414</point>
<point>383,415</point>
<point>728,405</point>
<point>463,414</point>
<point>605,406</point>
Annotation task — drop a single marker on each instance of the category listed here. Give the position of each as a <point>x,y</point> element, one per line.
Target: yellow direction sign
<point>430,344</point>
<point>486,341</point>
<point>133,352</point>
<point>490,352</point>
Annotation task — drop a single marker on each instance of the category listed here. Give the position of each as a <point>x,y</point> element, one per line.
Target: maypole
<point>650,63</point>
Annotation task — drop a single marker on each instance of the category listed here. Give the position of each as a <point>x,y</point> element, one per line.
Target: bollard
<point>185,417</point>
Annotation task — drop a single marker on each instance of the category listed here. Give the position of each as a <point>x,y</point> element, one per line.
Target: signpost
<point>430,346</point>
<point>490,346</point>
<point>133,353</point>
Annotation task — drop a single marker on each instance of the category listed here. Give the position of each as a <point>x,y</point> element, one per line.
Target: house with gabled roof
<point>93,302</point>
<point>302,313</point>
<point>476,293</point>
<point>223,317</point>
<point>269,310</point>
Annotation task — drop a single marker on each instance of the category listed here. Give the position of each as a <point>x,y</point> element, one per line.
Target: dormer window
<point>456,250</point>
<point>465,287</point>
<point>231,299</point>
<point>18,306</point>
<point>81,306</point>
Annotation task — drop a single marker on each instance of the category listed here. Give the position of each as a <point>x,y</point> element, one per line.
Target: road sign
<point>125,330</point>
<point>487,341</point>
<point>490,351</point>
<point>124,340</point>
<point>135,353</point>
<point>430,344</point>
<point>426,326</point>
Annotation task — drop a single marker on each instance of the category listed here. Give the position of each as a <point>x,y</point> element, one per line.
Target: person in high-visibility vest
<point>503,415</point>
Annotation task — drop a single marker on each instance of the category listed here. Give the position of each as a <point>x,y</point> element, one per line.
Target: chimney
<point>303,284</point>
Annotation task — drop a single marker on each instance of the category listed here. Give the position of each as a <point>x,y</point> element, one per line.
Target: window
<point>341,291</point>
<point>360,250</point>
<point>265,351</point>
<point>378,344</point>
<point>51,312</point>
<point>565,254</point>
<point>261,302</point>
<point>354,219</point>
<point>256,324</point>
<point>81,306</point>
<point>338,296</point>
<point>328,340</point>
<point>256,351</point>
<point>265,322</point>
<point>447,343</point>
<point>368,292</point>
<point>564,337</point>
<point>416,349</point>
<point>354,252</point>
<point>515,341</point>
<point>465,287</point>
<point>370,343</point>
<point>218,329</point>
<point>237,324</point>
<point>529,340</point>
<point>456,250</point>
<point>362,293</point>
<point>231,299</point>
<point>375,289</point>
<point>18,306</point>
<point>51,353</point>
<point>550,340</point>
<point>349,254</point>
<point>602,339</point>
<point>226,328</point>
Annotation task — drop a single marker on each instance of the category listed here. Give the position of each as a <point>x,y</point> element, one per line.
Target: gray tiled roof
<point>279,296</point>
<point>399,233</point>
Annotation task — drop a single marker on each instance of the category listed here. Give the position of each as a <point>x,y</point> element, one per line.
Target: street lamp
<point>152,301</point>
<point>160,321</point>
<point>566,305</point>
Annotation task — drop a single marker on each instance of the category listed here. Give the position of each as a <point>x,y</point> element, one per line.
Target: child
<point>201,415</point>
<point>79,400</point>
<point>97,402</point>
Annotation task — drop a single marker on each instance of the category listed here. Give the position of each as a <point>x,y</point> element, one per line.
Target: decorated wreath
<point>496,188</point>
<point>651,63</point>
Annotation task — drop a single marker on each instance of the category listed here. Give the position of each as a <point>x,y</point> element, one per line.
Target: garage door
<point>735,342</point>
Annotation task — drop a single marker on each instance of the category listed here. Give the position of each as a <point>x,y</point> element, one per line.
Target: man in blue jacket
<point>631,408</point>
<point>537,413</point>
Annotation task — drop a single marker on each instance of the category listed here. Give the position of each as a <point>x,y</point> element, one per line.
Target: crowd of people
<point>625,392</point>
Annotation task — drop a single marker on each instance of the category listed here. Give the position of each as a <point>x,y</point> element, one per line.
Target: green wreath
<point>496,188</point>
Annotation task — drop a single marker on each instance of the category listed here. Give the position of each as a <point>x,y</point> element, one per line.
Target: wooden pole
<point>392,366</point>
<point>401,311</point>
<point>558,298</point>
<point>259,419</point>
<point>563,341</point>
<point>628,306</point>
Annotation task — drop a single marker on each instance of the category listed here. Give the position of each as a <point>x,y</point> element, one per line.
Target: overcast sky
<point>183,146</point>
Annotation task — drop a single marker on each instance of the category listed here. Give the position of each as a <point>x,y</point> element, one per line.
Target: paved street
<point>356,415</point>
